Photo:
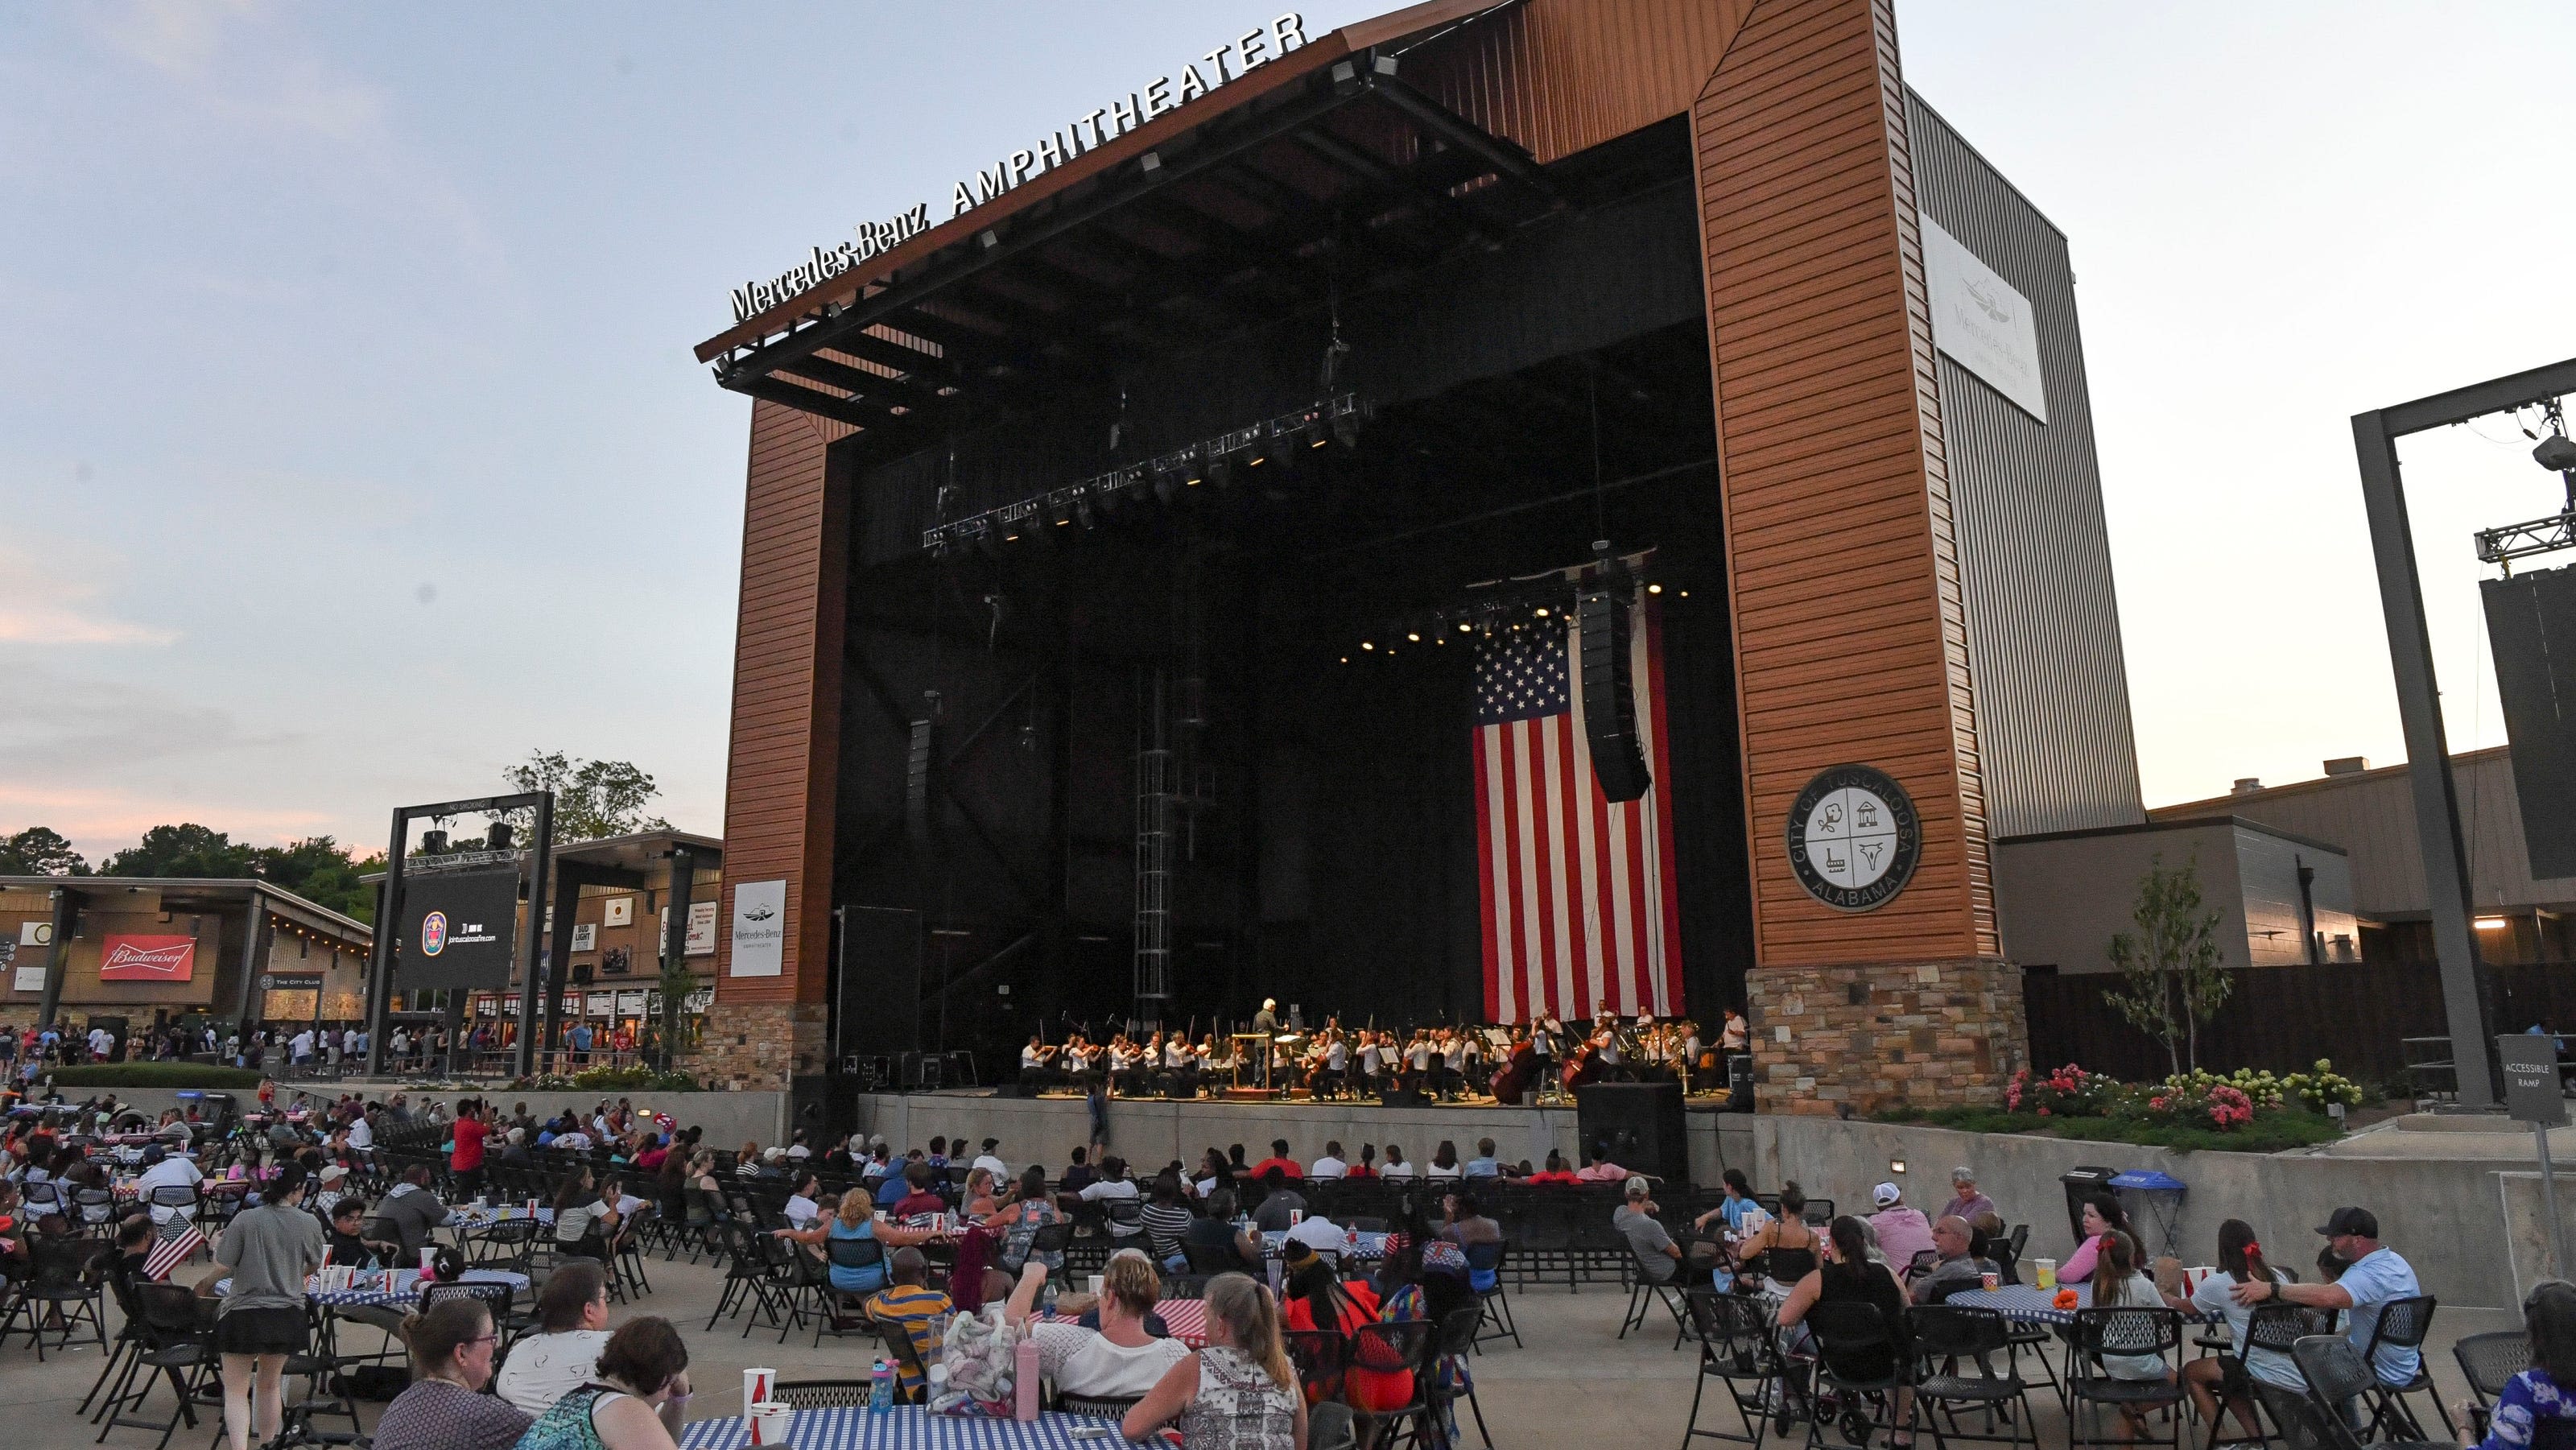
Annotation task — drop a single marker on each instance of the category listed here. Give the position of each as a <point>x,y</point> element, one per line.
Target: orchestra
<point>1540,1061</point>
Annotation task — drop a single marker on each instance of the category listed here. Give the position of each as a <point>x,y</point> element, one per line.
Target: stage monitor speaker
<point>1739,1082</point>
<point>1404,1098</point>
<point>1641,1124</point>
<point>2531,626</point>
<point>1610,693</point>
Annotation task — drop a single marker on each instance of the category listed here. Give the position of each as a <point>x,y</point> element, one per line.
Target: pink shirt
<point>2078,1267</point>
<point>1603,1173</point>
<point>1902,1233</point>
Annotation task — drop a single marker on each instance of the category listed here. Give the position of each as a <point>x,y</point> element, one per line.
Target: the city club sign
<point>1236,57</point>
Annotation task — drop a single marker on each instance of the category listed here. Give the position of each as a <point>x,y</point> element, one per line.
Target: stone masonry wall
<point>1879,1035</point>
<point>757,1046</point>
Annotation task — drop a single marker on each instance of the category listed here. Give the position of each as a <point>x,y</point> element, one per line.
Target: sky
<point>351,447</point>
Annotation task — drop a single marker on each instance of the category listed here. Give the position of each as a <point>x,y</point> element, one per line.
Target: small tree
<point>2171,964</point>
<point>594,799</point>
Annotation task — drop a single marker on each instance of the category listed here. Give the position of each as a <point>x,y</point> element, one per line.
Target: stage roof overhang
<point>1322,168</point>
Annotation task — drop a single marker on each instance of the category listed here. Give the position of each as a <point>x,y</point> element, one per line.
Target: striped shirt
<point>1165,1226</point>
<point>923,1313</point>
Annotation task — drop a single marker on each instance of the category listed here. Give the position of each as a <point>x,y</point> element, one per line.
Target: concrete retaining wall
<point>729,1118</point>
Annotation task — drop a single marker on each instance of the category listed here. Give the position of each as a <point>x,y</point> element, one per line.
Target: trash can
<point>2079,1183</point>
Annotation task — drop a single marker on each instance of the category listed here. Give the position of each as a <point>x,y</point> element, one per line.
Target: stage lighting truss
<point>1165,477</point>
<point>1546,601</point>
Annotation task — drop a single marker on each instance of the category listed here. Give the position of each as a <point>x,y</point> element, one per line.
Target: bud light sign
<point>458,929</point>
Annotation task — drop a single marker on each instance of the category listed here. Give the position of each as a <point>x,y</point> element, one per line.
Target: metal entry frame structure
<point>380,968</point>
<point>2467,999</point>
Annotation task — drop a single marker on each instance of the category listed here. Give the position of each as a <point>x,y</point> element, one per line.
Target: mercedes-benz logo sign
<point>1854,838</point>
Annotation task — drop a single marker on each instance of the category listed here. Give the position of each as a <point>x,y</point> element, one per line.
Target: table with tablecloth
<point>1363,1248</point>
<point>911,1427</point>
<point>1186,1318</point>
<point>2032,1305</point>
<point>403,1292</point>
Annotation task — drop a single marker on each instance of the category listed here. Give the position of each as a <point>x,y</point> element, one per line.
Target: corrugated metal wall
<point>2053,725</point>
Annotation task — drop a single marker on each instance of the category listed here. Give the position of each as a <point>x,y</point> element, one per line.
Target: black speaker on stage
<point>1609,688</point>
<point>1404,1098</point>
<point>1641,1124</point>
<point>916,784</point>
<point>2531,625</point>
<point>1739,1082</point>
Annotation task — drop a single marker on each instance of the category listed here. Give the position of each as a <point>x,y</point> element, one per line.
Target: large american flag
<point>1579,907</point>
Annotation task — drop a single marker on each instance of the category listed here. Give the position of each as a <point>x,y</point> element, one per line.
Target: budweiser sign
<point>148,959</point>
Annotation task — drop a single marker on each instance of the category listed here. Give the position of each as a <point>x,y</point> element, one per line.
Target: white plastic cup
<point>2194,1277</point>
<point>769,1421</point>
<point>1095,1286</point>
<point>756,1386</point>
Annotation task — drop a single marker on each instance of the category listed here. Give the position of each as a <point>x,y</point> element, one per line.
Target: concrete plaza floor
<point>1574,1381</point>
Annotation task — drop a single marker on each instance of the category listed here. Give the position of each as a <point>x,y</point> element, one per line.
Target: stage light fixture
<point>1466,628</point>
<point>1417,639</point>
<point>1082,511</point>
<point>1346,428</point>
<point>1654,589</point>
<point>940,549</point>
<point>1220,468</point>
<point>1061,512</point>
<point>1364,644</point>
<point>1167,485</point>
<point>1282,448</point>
<point>2556,454</point>
<point>1542,611</point>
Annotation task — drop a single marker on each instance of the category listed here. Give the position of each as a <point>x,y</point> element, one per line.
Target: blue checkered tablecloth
<point>472,1217</point>
<point>405,1290</point>
<point>910,1427</point>
<point>1365,1248</point>
<point>2030,1305</point>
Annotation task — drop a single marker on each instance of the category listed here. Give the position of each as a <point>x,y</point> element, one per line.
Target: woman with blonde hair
<point>1240,1393</point>
<point>1122,1359</point>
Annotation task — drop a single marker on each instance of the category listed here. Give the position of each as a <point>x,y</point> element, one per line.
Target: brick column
<point>1884,1034</point>
<point>758,1046</point>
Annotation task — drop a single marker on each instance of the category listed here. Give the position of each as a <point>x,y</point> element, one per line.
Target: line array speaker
<point>916,784</point>
<point>2531,625</point>
<point>1609,690</point>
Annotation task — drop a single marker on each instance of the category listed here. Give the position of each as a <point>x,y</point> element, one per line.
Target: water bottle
<point>1049,1294</point>
<point>881,1389</point>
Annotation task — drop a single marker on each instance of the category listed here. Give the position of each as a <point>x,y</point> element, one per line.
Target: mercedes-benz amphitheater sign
<point>1237,56</point>
<point>1853,838</point>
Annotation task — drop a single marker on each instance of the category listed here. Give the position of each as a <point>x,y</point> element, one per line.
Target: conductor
<point>1266,1021</point>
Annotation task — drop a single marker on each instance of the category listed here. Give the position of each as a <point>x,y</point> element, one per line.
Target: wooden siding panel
<point>780,777</point>
<point>1850,640</point>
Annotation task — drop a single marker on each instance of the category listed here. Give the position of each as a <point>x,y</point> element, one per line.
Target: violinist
<point>1037,1065</point>
<point>1371,1064</point>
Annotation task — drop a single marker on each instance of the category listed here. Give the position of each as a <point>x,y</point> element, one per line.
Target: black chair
<point>1494,1300</point>
<point>751,1279</point>
<point>1644,1290</point>
<point>907,1355</point>
<point>1736,1350</point>
<point>822,1394</point>
<point>58,1287</point>
<point>1051,1238</point>
<point>1208,1259</point>
<point>2404,1324</point>
<point>1860,1358</point>
<point>1389,1348</point>
<point>2486,1362</point>
<point>178,1335</point>
<point>2339,1382</point>
<point>1320,1356</point>
<point>2123,1332</point>
<point>1458,1330</point>
<point>1953,1337</point>
<point>2275,1325</point>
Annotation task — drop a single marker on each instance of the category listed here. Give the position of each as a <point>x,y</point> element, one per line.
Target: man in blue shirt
<point>2372,1276</point>
<point>1483,1165</point>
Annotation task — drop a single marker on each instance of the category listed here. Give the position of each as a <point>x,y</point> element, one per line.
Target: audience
<point>445,1407</point>
<point>2370,1275</point>
<point>1902,1232</point>
<point>919,1311</point>
<point>2538,1405</point>
<point>572,1325</point>
<point>1119,1360</point>
<point>1958,1269</point>
<point>1241,1392</point>
<point>639,1392</point>
<point>1965,1201</point>
<point>1659,1259</point>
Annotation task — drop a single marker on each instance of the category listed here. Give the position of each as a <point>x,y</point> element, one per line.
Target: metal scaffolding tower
<point>1154,811</point>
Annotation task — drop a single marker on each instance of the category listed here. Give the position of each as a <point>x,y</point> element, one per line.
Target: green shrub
<point>154,1075</point>
<point>2270,1131</point>
<point>610,1080</point>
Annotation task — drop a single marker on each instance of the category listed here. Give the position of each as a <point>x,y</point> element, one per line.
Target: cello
<point>1513,1081</point>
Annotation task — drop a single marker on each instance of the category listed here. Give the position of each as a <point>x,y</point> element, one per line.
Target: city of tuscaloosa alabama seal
<point>1854,838</point>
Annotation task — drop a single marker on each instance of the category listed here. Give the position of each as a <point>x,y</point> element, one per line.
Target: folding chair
<point>1736,1350</point>
<point>2338,1377</point>
<point>2486,1362</point>
<point>1643,1290</point>
<point>1949,1336</point>
<point>1458,1330</point>
<point>2403,1324</point>
<point>1492,1302</point>
<point>178,1334</point>
<point>2275,1325</point>
<point>1852,1340</point>
<point>2129,1333</point>
<point>1411,1344</point>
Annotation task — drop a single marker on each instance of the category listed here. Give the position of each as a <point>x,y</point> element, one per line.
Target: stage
<point>1150,1132</point>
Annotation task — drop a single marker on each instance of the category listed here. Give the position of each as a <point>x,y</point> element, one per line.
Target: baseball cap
<point>2357,1221</point>
<point>333,1173</point>
<point>1885,1194</point>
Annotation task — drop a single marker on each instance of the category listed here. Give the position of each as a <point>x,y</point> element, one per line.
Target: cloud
<point>276,87</point>
<point>58,726</point>
<point>44,599</point>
